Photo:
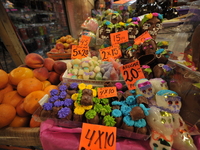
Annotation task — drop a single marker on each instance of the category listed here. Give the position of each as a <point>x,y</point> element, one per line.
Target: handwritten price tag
<point>110,52</point>
<point>85,40</point>
<point>140,39</point>
<point>131,73</point>
<point>107,92</point>
<point>119,37</point>
<point>79,51</point>
<point>95,137</point>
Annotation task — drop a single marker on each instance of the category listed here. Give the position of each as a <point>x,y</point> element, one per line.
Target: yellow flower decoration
<point>89,86</point>
<point>74,96</point>
<point>129,20</point>
<point>79,110</point>
<point>77,104</point>
<point>94,92</point>
<point>81,86</point>
<point>121,24</point>
<point>149,16</point>
<point>165,43</point>
<point>87,107</point>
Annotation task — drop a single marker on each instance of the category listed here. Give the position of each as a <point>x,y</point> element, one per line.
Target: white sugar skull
<point>168,100</point>
<point>161,124</point>
<point>144,87</point>
<point>182,138</point>
<point>159,84</point>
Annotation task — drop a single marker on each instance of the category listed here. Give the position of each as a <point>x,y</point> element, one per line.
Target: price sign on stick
<point>79,51</point>
<point>97,137</point>
<point>119,37</point>
<point>131,73</point>
<point>110,52</point>
<point>84,41</point>
<point>140,39</point>
<point>107,92</point>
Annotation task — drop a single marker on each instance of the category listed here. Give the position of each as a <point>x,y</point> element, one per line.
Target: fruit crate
<point>21,136</point>
<point>59,56</point>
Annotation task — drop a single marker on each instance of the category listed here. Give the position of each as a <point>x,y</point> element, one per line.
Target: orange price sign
<point>96,137</point>
<point>140,39</point>
<point>119,37</point>
<point>107,92</point>
<point>131,73</point>
<point>79,51</point>
<point>110,52</point>
<point>85,40</point>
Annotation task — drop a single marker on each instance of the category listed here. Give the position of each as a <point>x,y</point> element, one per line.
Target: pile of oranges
<point>20,93</point>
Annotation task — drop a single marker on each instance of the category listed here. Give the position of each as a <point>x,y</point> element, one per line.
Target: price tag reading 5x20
<point>79,51</point>
<point>119,37</point>
<point>110,52</point>
<point>131,73</point>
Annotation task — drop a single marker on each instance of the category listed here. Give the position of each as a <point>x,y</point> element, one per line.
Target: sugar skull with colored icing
<point>105,29</point>
<point>161,124</point>
<point>144,87</point>
<point>152,23</point>
<point>168,100</point>
<point>159,84</point>
<point>149,46</point>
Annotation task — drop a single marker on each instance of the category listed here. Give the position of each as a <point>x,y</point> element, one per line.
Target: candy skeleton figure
<point>168,103</point>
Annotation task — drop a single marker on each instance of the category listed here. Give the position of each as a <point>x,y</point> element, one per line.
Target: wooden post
<point>10,39</point>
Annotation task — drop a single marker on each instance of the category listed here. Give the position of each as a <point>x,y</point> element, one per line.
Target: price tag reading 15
<point>97,137</point>
<point>119,37</point>
<point>79,51</point>
<point>110,52</point>
<point>131,73</point>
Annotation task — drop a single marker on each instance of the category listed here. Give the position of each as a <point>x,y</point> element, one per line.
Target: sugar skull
<point>159,84</point>
<point>105,30</point>
<point>144,87</point>
<point>168,100</point>
<point>120,27</point>
<point>149,47</point>
<point>152,23</point>
<point>182,138</point>
<point>115,17</point>
<point>161,124</point>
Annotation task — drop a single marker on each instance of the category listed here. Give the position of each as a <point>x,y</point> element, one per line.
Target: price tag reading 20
<point>119,37</point>
<point>79,51</point>
<point>131,73</point>
<point>97,137</point>
<point>110,52</point>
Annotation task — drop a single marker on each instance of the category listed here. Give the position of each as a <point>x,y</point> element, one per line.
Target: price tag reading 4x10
<point>97,137</point>
<point>119,37</point>
<point>107,92</point>
<point>131,73</point>
<point>110,52</point>
<point>79,51</point>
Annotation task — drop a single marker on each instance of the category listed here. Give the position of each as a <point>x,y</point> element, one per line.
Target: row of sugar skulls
<point>167,127</point>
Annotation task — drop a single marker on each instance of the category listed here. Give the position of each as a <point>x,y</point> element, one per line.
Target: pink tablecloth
<point>58,138</point>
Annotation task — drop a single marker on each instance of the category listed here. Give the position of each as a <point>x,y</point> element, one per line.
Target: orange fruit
<point>3,79</point>
<point>29,85</point>
<point>7,89</point>
<point>12,98</point>
<point>45,84</point>
<point>34,123</point>
<point>31,101</point>
<point>18,74</point>
<point>20,122</point>
<point>7,114</point>
<point>21,111</point>
<point>49,88</point>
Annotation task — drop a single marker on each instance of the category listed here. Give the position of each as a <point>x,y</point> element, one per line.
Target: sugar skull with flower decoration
<point>132,26</point>
<point>105,29</point>
<point>120,27</point>
<point>114,17</point>
<point>145,88</point>
<point>159,84</point>
<point>152,23</point>
<point>168,100</point>
<point>149,46</point>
